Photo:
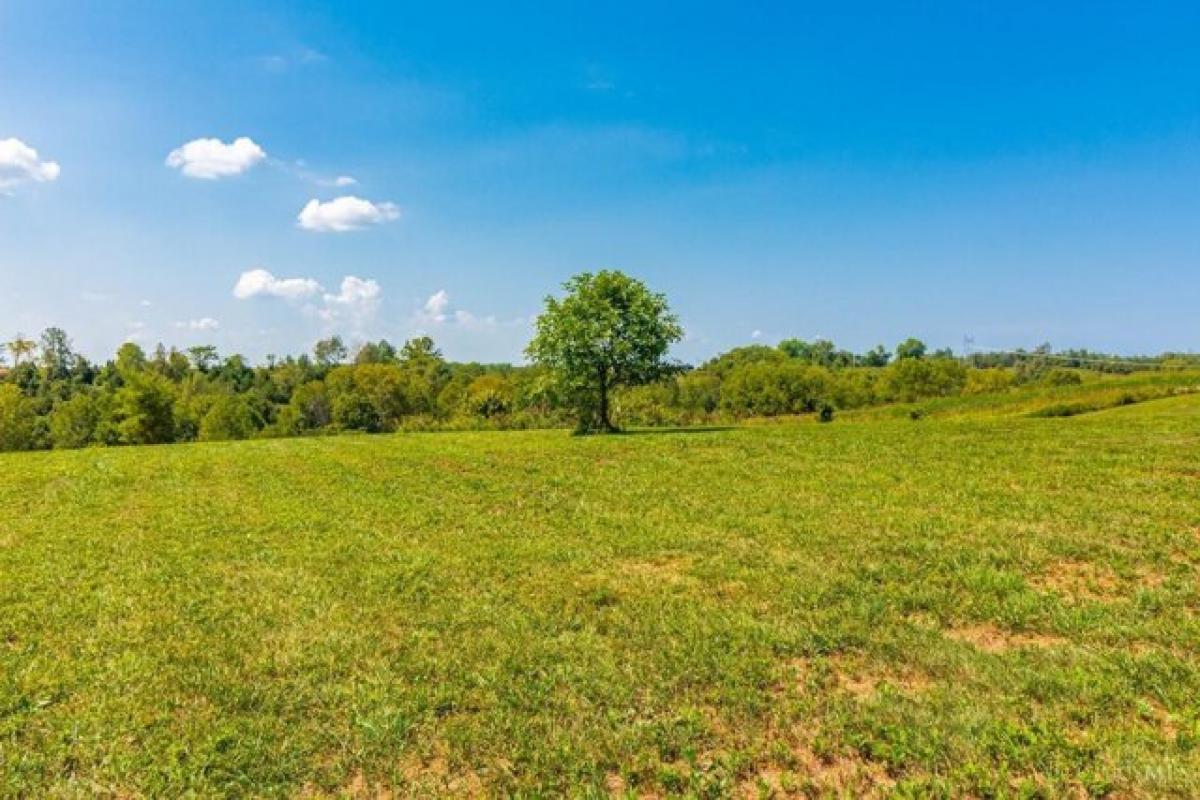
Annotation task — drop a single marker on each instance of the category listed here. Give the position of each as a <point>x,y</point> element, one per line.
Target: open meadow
<point>978,604</point>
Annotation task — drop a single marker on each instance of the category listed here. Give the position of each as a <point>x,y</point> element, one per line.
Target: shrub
<point>374,397</point>
<point>1061,377</point>
<point>698,392</point>
<point>853,388</point>
<point>18,429</point>
<point>230,417</point>
<point>910,379</point>
<point>988,381</point>
<point>144,410</point>
<point>652,404</point>
<point>73,422</point>
<point>308,409</point>
<point>769,389</point>
<point>489,396</point>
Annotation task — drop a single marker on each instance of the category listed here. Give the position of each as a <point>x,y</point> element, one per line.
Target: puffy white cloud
<point>756,334</point>
<point>202,324</point>
<point>436,305</point>
<point>19,163</point>
<point>344,180</point>
<point>257,282</point>
<point>211,158</point>
<point>346,213</point>
<point>356,301</point>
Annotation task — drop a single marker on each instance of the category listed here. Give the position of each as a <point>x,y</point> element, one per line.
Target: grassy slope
<point>963,605</point>
<point>1097,392</point>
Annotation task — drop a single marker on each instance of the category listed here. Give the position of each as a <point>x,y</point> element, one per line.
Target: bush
<point>308,409</point>
<point>769,389</point>
<point>854,388</point>
<point>698,392</point>
<point>911,379</point>
<point>73,422</point>
<point>489,396</point>
<point>229,418</point>
<point>374,397</point>
<point>1061,377</point>
<point>18,428</point>
<point>988,381</point>
<point>144,410</point>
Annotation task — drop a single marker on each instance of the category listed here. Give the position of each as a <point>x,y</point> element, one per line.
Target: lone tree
<point>609,331</point>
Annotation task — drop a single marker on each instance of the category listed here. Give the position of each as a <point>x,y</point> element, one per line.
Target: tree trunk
<point>605,424</point>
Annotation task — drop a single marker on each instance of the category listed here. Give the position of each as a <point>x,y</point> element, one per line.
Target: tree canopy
<point>609,331</point>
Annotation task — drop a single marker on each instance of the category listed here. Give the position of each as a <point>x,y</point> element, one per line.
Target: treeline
<point>51,396</point>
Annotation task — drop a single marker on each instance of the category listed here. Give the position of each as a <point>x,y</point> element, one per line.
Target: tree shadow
<point>667,431</point>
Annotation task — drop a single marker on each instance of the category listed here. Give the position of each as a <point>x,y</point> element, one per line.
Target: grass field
<point>988,605</point>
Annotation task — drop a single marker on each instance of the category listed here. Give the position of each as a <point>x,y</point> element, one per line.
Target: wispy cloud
<point>201,324</point>
<point>437,311</point>
<point>279,63</point>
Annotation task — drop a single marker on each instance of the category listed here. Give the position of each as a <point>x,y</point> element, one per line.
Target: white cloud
<point>346,213</point>
<point>202,324</point>
<point>435,306</point>
<point>261,282</point>
<point>473,323</point>
<point>356,302</point>
<point>436,311</point>
<point>212,158</point>
<point>756,334</point>
<point>344,180</point>
<point>19,163</point>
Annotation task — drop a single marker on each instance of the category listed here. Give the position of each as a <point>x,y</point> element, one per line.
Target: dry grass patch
<point>991,639</point>
<point>1080,580</point>
<point>811,775</point>
<point>1084,580</point>
<point>669,571</point>
<point>616,786</point>
<point>851,674</point>
<point>863,680</point>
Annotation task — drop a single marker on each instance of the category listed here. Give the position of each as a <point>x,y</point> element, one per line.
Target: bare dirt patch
<point>991,639</point>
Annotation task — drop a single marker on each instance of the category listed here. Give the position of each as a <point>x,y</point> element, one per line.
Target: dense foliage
<point>609,332</point>
<point>51,396</point>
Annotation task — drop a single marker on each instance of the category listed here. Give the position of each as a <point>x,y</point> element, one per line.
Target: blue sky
<point>1015,172</point>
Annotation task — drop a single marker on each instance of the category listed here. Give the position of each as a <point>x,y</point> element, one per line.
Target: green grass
<point>995,606</point>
